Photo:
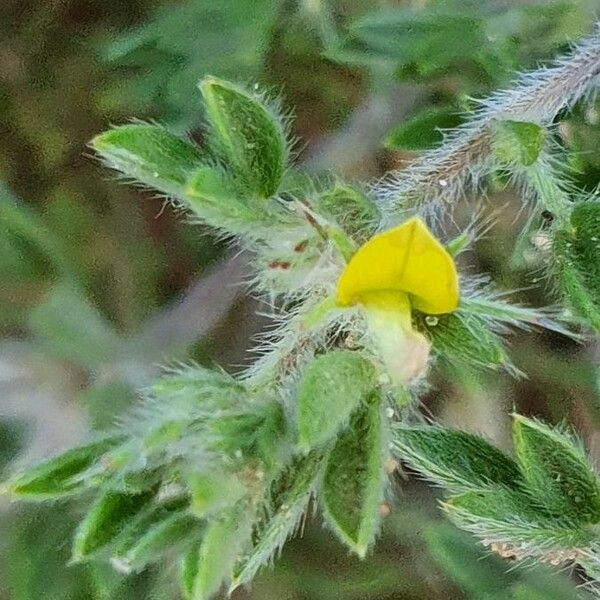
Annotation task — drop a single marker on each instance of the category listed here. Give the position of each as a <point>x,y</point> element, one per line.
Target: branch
<point>445,174</point>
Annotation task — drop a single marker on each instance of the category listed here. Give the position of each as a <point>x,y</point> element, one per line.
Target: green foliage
<point>537,507</point>
<point>105,520</point>
<point>577,253</point>
<point>332,388</point>
<point>81,335</point>
<point>465,338</point>
<point>61,476</point>
<point>353,484</point>
<point>222,543</point>
<point>249,137</point>
<point>351,208</point>
<point>557,471</point>
<point>518,142</point>
<point>455,459</point>
<point>173,532</point>
<point>149,154</point>
<point>289,497</point>
<point>218,471</point>
<point>424,130</point>
<point>484,575</point>
<point>213,492</point>
<point>163,62</point>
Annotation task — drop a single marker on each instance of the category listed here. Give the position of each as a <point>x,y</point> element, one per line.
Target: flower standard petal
<point>394,272</point>
<point>407,259</point>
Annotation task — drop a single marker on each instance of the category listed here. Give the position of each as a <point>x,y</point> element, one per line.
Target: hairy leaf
<point>332,387</point>
<point>212,196</point>
<point>224,540</point>
<point>466,339</point>
<point>351,209</point>
<point>105,520</point>
<point>188,570</point>
<point>290,496</point>
<point>59,476</point>
<point>511,520</point>
<point>150,155</point>
<point>354,481</point>
<point>177,529</point>
<point>248,134</point>
<point>518,142</point>
<point>578,261</point>
<point>556,470</point>
<point>212,492</point>
<point>456,460</point>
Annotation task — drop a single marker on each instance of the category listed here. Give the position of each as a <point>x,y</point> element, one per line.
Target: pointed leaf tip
<point>247,134</point>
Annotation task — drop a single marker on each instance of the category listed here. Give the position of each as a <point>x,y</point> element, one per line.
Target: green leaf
<point>518,142</point>
<point>498,504</point>
<point>290,496</point>
<point>188,570</point>
<point>149,154</point>
<point>212,492</point>
<point>224,541</point>
<point>557,471</point>
<point>176,529</point>
<point>151,516</point>
<point>212,196</point>
<point>424,130</point>
<point>59,476</point>
<point>163,62</point>
<point>354,481</point>
<point>351,209</point>
<point>577,261</point>
<point>466,339</point>
<point>512,518</point>
<point>20,221</point>
<point>72,329</point>
<point>467,562</point>
<point>456,460</point>
<point>248,134</point>
<point>425,41</point>
<point>256,433</point>
<point>210,184</point>
<point>332,387</point>
<point>105,520</point>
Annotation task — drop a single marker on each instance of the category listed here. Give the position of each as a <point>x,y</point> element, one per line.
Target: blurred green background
<point>101,283</point>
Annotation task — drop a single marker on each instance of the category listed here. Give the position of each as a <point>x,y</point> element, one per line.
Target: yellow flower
<point>394,272</point>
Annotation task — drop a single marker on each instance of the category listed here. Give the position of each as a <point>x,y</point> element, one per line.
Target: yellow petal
<point>406,259</point>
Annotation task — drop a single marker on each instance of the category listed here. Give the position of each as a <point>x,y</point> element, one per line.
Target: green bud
<point>351,209</point>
